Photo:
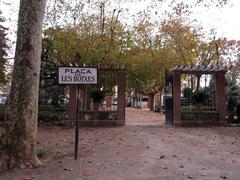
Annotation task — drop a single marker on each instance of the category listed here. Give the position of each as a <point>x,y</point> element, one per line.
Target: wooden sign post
<point>77,76</point>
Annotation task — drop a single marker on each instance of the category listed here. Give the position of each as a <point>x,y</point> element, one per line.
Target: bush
<point>51,113</point>
<point>187,93</point>
<point>199,96</point>
<point>97,95</point>
<point>232,120</point>
<point>45,113</point>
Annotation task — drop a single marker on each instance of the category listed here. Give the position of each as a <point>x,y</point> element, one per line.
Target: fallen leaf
<point>223,177</point>
<point>164,167</point>
<point>87,173</point>
<point>190,176</point>
<point>161,157</point>
<point>68,169</point>
<point>27,178</point>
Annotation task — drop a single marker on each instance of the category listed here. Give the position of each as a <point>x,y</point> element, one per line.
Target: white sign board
<point>77,75</point>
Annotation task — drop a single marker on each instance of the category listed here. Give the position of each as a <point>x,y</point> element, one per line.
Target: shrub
<point>97,95</point>
<point>199,96</point>
<point>45,113</point>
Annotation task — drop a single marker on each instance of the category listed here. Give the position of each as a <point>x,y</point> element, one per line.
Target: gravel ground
<point>144,149</point>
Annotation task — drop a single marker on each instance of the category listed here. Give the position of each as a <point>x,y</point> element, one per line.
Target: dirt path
<point>138,151</point>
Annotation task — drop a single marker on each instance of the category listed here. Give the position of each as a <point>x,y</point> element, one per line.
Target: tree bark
<point>160,102</point>
<point>198,81</point>
<point>150,101</point>
<point>18,141</point>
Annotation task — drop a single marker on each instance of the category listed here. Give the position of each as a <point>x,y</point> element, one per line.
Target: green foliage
<point>3,51</point>
<point>146,47</point>
<point>52,95</point>
<point>42,153</point>
<point>49,113</point>
<point>45,113</point>
<point>232,91</point>
<point>49,91</point>
<point>97,95</point>
<point>187,93</point>
<point>199,96</point>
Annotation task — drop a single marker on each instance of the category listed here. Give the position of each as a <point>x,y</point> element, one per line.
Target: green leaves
<point>3,51</point>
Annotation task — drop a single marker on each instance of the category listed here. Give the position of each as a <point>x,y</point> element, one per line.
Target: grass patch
<point>42,153</point>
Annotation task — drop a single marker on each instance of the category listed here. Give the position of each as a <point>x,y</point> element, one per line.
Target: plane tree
<point>18,140</point>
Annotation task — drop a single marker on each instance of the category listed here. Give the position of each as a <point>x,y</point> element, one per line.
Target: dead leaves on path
<point>87,173</point>
<point>223,177</point>
<point>188,175</point>
<point>27,178</point>
<point>162,156</point>
<point>68,169</point>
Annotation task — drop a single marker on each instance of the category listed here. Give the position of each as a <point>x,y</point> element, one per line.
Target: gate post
<point>121,97</point>
<point>220,97</point>
<point>176,98</point>
<point>72,103</point>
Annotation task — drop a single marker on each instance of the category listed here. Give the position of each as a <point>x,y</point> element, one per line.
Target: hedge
<point>45,113</point>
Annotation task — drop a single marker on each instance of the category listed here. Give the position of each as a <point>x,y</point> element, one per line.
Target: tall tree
<point>18,141</point>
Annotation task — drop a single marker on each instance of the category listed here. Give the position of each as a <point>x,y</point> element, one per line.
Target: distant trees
<point>147,47</point>
<point>3,50</point>
<point>233,88</point>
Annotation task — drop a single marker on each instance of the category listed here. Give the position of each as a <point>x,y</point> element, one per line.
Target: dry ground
<point>144,149</point>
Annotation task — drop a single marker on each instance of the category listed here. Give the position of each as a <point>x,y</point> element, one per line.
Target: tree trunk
<point>150,101</point>
<point>82,98</point>
<point>87,99</point>
<point>198,82</point>
<point>18,141</point>
<point>160,102</point>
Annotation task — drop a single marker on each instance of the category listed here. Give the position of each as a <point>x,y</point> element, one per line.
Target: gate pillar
<point>121,97</point>
<point>176,98</point>
<point>220,96</point>
<point>72,102</point>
